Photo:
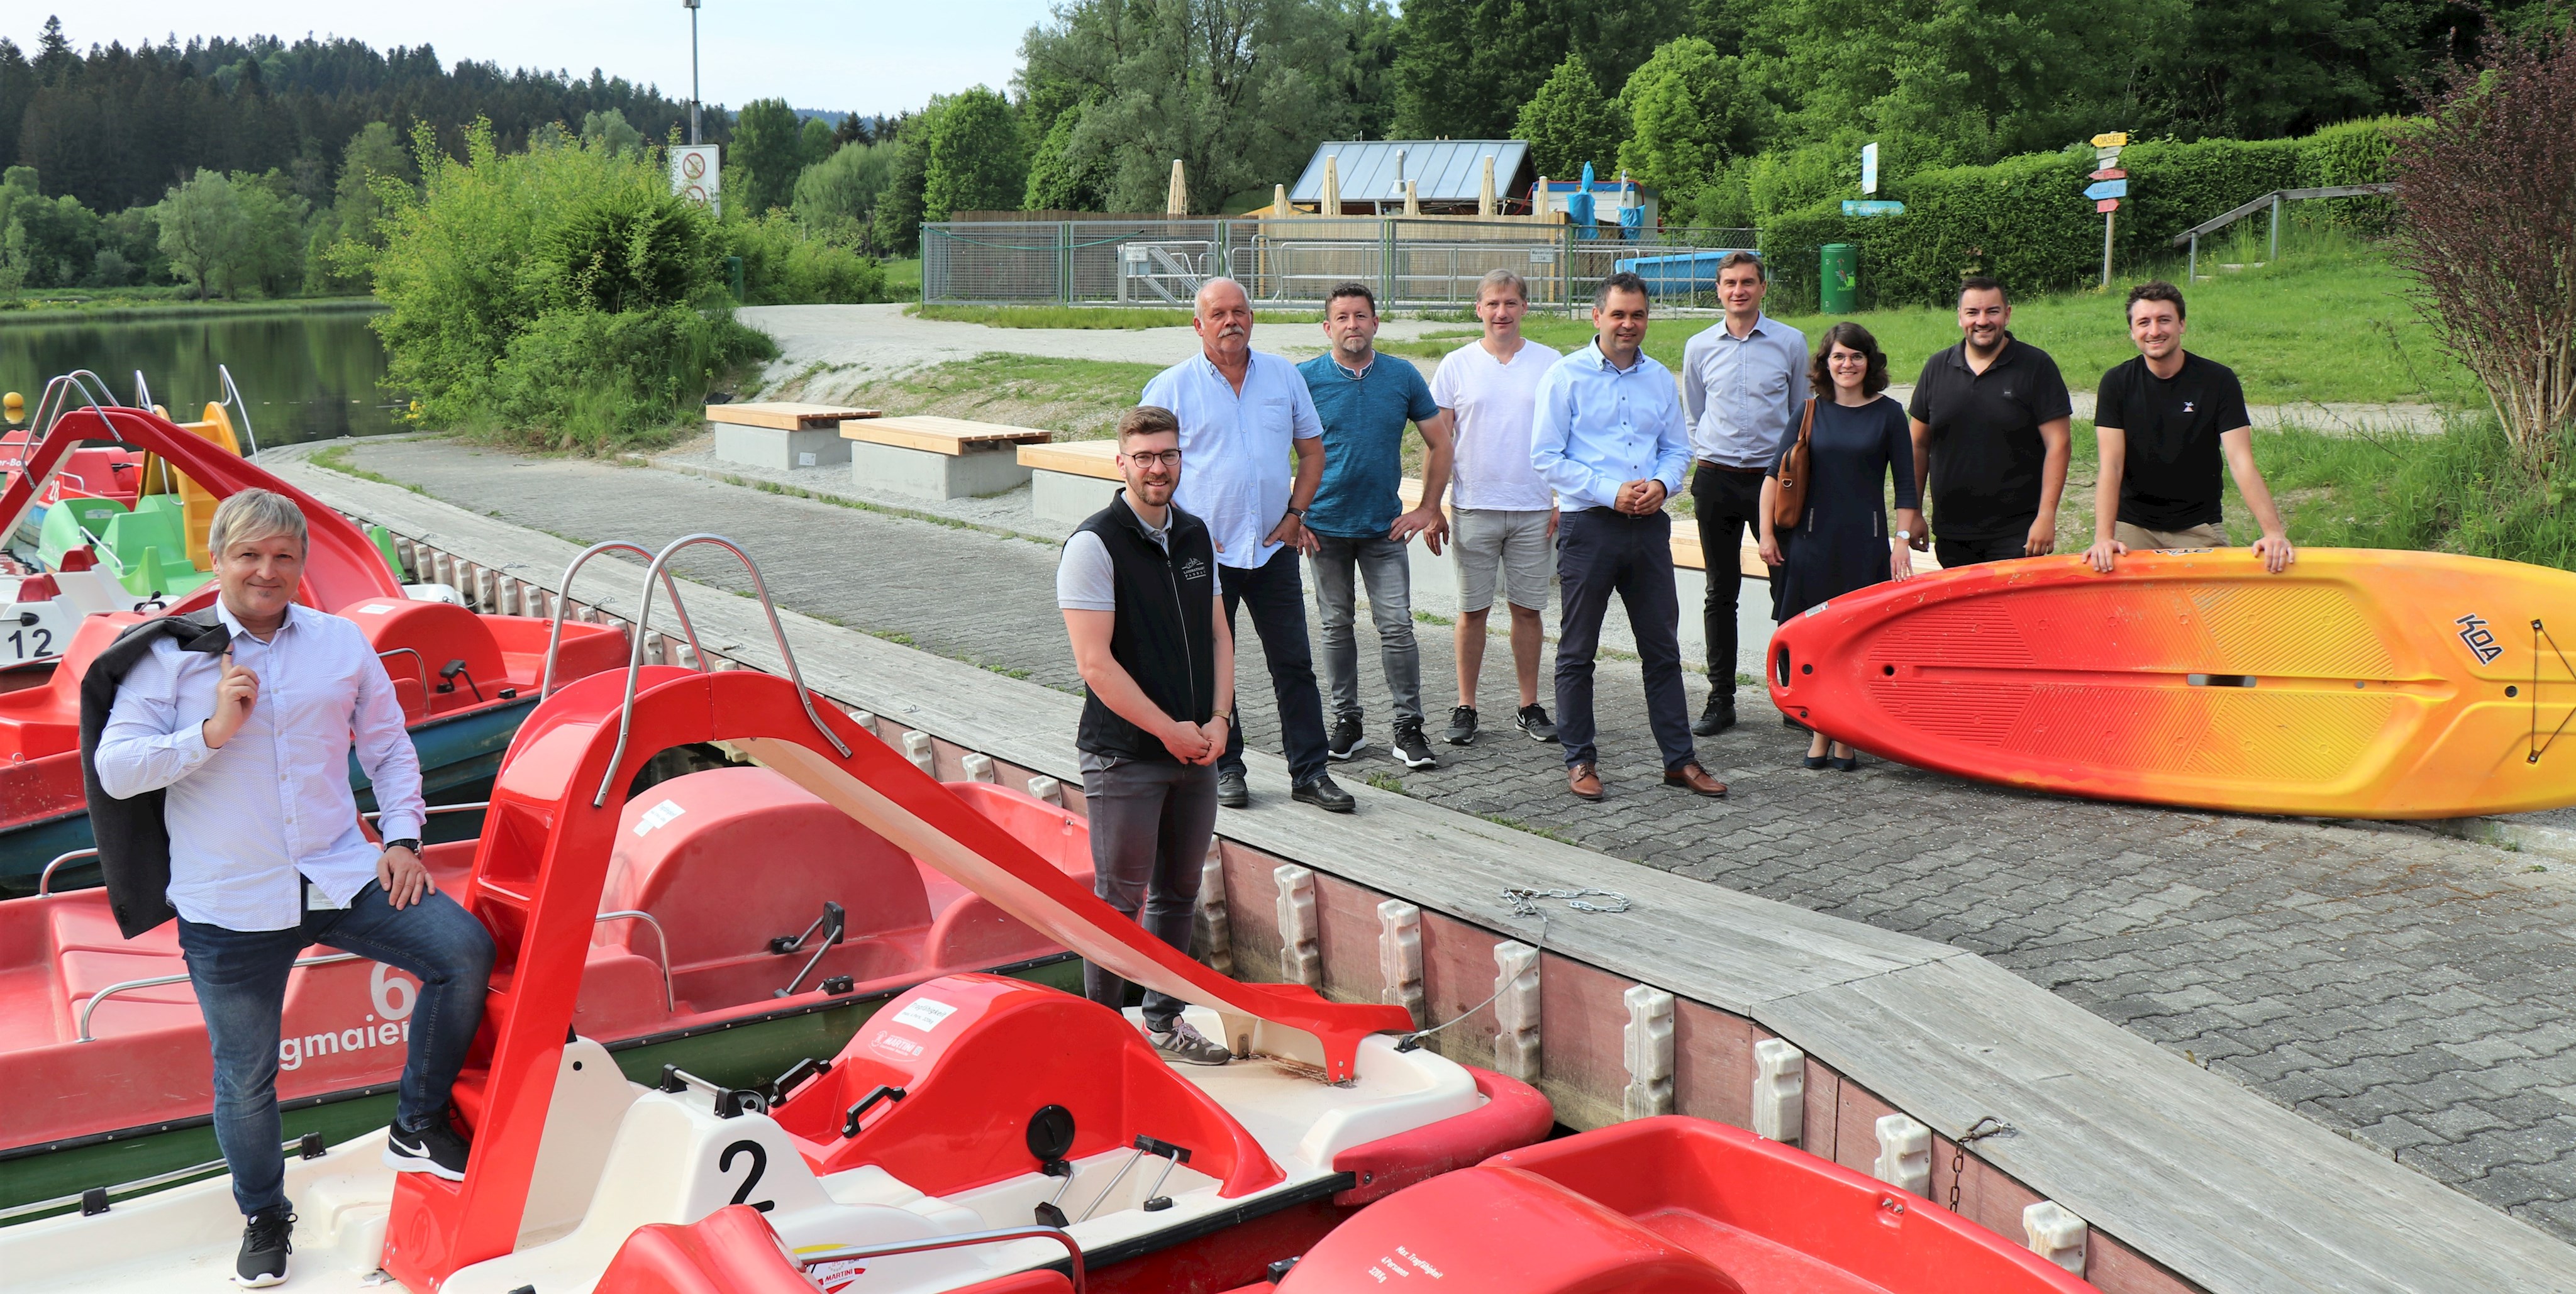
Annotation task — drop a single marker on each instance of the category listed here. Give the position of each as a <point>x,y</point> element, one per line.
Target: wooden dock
<point>2188,1180</point>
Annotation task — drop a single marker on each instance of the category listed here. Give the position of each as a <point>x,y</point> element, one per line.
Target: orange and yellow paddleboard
<point>2356,684</point>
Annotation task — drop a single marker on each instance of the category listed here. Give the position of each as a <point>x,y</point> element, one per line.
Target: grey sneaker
<point>1462,726</point>
<point>1186,1045</point>
<point>1533,720</point>
<point>1411,748</point>
<point>1348,738</point>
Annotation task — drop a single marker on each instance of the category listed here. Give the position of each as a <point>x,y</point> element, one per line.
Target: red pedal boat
<point>980,1124</point>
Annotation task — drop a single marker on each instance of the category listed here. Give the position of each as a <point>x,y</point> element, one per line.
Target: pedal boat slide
<point>465,681</point>
<point>968,1106</point>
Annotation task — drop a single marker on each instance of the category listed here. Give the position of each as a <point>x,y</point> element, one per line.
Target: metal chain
<point>1977,1131</point>
<point>1523,900</point>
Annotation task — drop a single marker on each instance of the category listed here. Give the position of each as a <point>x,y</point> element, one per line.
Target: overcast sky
<point>880,56</point>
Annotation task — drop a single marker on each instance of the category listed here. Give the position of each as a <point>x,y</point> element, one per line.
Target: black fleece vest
<point>1164,635</point>
<point>133,839</point>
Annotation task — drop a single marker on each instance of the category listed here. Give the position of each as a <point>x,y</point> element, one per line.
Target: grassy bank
<point>1110,317</point>
<point>154,303</point>
<point>2326,325</point>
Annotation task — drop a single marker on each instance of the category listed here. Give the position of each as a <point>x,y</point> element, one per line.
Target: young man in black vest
<point>1138,587</point>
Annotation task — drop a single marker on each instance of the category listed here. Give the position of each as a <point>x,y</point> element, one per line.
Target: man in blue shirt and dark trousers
<point>1359,520</point>
<point>1611,441</point>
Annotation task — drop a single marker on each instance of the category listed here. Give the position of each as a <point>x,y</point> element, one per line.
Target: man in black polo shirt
<point>1138,589</point>
<point>2164,421</point>
<point>1991,430</point>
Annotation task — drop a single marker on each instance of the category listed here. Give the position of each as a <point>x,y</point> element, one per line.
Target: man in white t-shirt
<point>1506,515</point>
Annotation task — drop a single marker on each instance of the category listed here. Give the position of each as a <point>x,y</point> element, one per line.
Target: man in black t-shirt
<point>2164,421</point>
<point>1991,431</point>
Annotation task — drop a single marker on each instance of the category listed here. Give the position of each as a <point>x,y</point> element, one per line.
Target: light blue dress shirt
<point>275,801</point>
<point>1743,394</point>
<point>1600,427</point>
<point>1238,456</point>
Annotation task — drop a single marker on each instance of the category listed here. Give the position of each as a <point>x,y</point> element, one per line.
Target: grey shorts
<point>1487,541</point>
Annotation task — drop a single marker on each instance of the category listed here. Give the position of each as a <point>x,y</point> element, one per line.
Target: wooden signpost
<point>2110,184</point>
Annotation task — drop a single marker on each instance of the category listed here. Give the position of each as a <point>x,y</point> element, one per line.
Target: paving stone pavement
<point>2406,989</point>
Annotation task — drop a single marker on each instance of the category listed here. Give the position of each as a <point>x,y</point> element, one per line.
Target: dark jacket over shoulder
<point>1165,632</point>
<point>133,839</point>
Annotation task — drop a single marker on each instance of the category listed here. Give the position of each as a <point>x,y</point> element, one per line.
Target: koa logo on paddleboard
<point>2481,641</point>
<point>394,994</point>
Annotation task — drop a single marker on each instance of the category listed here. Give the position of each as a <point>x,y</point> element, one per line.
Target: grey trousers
<point>1151,821</point>
<point>1382,564</point>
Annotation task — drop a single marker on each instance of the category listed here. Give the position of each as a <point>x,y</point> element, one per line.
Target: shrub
<point>585,379</point>
<point>783,264</point>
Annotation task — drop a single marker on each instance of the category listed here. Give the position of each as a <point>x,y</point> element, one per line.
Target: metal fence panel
<point>1411,263</point>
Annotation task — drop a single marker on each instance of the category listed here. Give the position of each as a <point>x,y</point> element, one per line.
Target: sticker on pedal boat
<point>372,609</point>
<point>2478,638</point>
<point>924,1014</point>
<point>657,815</point>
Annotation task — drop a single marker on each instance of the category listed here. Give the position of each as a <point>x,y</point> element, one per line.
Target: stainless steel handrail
<point>419,662</point>
<point>434,810</point>
<point>233,393</point>
<point>44,883</point>
<point>554,635</point>
<point>813,1258</point>
<point>670,1003</point>
<point>643,620</point>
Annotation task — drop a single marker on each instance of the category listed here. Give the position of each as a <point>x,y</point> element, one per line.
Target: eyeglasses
<point>1154,458</point>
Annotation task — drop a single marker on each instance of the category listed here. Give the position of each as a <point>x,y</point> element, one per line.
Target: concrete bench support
<point>1066,499</point>
<point>782,435</point>
<point>938,458</point>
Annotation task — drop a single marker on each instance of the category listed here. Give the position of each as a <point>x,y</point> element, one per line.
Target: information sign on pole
<point>1868,169</point>
<point>1872,207</point>
<point>2107,205</point>
<point>2110,184</point>
<point>2107,189</point>
<point>697,174</point>
<point>2111,139</point>
<point>2108,173</point>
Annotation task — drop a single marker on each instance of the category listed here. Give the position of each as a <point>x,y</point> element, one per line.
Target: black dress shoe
<point>1323,794</point>
<point>1817,761</point>
<point>1718,717</point>
<point>1231,792</point>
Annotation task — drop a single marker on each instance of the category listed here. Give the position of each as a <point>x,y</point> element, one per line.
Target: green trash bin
<point>1839,291</point>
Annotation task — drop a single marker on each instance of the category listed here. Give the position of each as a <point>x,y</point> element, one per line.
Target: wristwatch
<point>411,843</point>
<point>1298,513</point>
<point>1907,535</point>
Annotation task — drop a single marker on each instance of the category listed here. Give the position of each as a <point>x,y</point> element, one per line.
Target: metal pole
<point>2192,275</point>
<point>2107,218</point>
<point>693,70</point>
<point>2276,226</point>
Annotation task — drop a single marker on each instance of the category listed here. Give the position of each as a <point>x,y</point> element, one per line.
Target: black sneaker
<point>1187,1045</point>
<point>264,1248</point>
<point>433,1149</point>
<point>1717,717</point>
<point>1533,720</point>
<point>1410,746</point>
<point>1462,726</point>
<point>1323,794</point>
<point>1231,792</point>
<point>1348,739</point>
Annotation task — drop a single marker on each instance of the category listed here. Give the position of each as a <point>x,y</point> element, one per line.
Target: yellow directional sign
<point>2111,139</point>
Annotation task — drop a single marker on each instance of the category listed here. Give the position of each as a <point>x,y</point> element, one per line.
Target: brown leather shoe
<point>1696,778</point>
<point>1585,781</point>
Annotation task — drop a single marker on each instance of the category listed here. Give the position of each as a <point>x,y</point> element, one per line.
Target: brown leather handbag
<point>1789,503</point>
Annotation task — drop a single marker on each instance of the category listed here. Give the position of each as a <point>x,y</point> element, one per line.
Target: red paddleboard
<point>2358,683</point>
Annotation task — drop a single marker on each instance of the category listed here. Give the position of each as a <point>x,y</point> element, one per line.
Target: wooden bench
<point>1070,480</point>
<point>781,434</point>
<point>938,458</point>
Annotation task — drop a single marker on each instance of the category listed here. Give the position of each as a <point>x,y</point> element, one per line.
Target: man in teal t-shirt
<point>1359,519</point>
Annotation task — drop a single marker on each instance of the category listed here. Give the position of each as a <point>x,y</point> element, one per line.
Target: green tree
<point>1689,110</point>
<point>1570,122</point>
<point>767,153</point>
<point>202,230</point>
<point>835,197</point>
<point>1059,180</point>
<point>609,129</point>
<point>973,162</point>
<point>1462,66</point>
<point>815,141</point>
<point>270,257</point>
<point>896,220</point>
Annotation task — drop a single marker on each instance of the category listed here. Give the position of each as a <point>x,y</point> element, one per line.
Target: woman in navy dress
<point>1843,543</point>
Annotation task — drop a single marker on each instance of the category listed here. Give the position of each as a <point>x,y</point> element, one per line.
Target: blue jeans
<point>1275,594</point>
<point>240,978</point>
<point>1600,552</point>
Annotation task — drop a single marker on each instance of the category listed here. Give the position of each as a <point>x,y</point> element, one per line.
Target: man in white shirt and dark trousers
<point>1242,416</point>
<point>1138,587</point>
<point>243,734</point>
<point>1506,515</point>
<point>1609,438</point>
<point>1744,383</point>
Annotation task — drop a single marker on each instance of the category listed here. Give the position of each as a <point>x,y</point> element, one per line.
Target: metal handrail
<point>433,810</point>
<point>44,883</point>
<point>2274,199</point>
<point>233,393</point>
<point>670,1003</point>
<point>554,635</point>
<point>419,662</point>
<point>643,620</point>
<point>813,1258</point>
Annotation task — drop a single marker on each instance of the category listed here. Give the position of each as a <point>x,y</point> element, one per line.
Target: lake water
<point>304,376</point>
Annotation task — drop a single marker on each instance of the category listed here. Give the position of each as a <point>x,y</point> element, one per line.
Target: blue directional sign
<point>1858,207</point>
<point>2108,189</point>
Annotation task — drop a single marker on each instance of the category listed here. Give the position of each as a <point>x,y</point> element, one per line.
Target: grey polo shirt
<point>1742,395</point>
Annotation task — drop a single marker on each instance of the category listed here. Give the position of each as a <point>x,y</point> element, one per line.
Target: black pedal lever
<point>830,927</point>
